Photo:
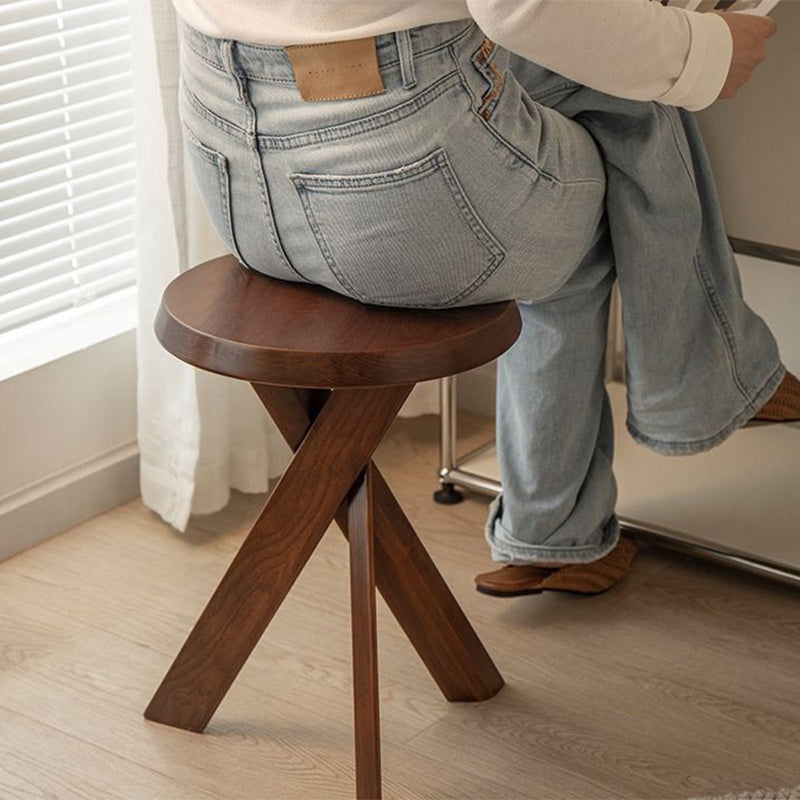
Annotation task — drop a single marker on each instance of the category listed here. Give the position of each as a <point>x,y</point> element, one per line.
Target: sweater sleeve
<point>635,49</point>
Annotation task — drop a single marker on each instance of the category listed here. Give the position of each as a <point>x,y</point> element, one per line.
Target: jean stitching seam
<point>476,226</point>
<point>205,58</point>
<point>709,290</point>
<point>481,60</point>
<point>492,97</point>
<point>505,143</point>
<point>210,116</point>
<point>522,547</point>
<point>406,57</point>
<point>532,164</point>
<point>570,548</point>
<point>553,92</point>
<point>722,321</point>
<point>261,178</point>
<point>414,171</point>
<point>225,190</point>
<point>257,163</point>
<point>220,163</point>
<point>515,151</point>
<point>467,211</point>
<point>341,185</point>
<point>675,137</point>
<point>464,82</point>
<point>689,446</point>
<point>323,244</point>
<point>268,79</point>
<point>369,123</point>
<point>204,152</point>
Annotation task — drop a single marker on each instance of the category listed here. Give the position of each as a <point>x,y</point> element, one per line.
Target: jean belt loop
<point>406,54</point>
<point>226,47</point>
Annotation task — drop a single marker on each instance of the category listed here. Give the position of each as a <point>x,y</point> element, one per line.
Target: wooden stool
<point>333,374</point>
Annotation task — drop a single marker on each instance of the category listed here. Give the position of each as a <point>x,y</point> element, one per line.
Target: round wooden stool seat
<point>224,318</point>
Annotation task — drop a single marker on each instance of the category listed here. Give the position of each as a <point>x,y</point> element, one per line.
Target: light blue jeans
<point>476,177</point>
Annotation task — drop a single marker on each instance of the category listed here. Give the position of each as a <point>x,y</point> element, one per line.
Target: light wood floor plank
<point>681,681</point>
<point>37,760</point>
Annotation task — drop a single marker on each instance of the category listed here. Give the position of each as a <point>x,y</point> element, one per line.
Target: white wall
<point>67,442</point>
<point>754,142</point>
<point>772,289</point>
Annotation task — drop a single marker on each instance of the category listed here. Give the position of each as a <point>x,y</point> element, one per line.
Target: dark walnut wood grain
<point>222,317</point>
<point>333,374</point>
<point>361,525</point>
<point>299,509</point>
<point>405,575</point>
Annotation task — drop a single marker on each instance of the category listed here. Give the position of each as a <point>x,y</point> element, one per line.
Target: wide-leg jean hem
<point>508,549</point>
<point>685,448</point>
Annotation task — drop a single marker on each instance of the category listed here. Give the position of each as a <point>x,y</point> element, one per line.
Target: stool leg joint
<point>343,436</point>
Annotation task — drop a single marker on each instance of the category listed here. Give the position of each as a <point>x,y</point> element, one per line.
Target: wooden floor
<point>682,681</point>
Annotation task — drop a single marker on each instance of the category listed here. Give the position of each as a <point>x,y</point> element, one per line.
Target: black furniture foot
<point>448,495</point>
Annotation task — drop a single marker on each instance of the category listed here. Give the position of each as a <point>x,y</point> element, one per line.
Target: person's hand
<point>750,34</point>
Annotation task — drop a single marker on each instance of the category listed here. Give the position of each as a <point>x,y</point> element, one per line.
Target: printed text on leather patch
<point>336,70</point>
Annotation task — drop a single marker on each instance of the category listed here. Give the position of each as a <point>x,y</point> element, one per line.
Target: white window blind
<point>67,160</point>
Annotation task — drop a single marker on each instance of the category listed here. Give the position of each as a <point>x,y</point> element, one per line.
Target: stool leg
<point>360,515</point>
<point>343,437</point>
<point>424,606</point>
<point>406,576</point>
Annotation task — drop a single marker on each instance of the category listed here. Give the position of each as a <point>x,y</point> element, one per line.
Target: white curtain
<point>200,435</point>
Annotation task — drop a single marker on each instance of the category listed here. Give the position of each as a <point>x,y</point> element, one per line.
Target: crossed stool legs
<point>331,476</point>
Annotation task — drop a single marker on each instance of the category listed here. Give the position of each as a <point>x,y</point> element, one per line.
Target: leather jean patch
<point>336,70</point>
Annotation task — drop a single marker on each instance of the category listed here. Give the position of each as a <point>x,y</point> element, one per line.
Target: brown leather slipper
<point>594,577</point>
<point>513,580</point>
<point>783,406</point>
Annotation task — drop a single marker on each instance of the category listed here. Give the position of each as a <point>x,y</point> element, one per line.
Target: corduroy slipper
<point>593,577</point>
<point>784,405</point>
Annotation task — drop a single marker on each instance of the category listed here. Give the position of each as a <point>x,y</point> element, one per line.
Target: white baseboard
<point>43,509</point>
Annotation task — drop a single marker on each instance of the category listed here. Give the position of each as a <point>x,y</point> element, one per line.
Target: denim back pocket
<point>210,169</point>
<point>407,237</point>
